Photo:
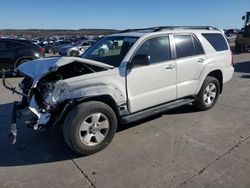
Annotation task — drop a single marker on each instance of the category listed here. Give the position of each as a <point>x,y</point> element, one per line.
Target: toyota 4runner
<point>139,73</point>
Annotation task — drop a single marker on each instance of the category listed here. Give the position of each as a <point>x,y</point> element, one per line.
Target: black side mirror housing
<point>140,60</point>
<point>243,17</point>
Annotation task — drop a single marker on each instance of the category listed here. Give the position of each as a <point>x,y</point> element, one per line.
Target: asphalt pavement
<point>180,148</point>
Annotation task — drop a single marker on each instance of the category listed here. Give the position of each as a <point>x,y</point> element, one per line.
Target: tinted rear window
<point>184,45</point>
<point>216,40</point>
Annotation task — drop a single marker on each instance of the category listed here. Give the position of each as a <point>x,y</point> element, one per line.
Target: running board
<point>156,110</point>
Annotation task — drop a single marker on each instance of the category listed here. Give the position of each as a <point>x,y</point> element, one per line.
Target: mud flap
<point>13,129</point>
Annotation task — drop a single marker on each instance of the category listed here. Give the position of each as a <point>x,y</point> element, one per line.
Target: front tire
<point>89,127</point>
<point>208,94</point>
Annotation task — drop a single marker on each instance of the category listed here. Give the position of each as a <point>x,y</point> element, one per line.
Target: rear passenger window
<point>158,48</point>
<point>187,45</point>
<point>216,40</point>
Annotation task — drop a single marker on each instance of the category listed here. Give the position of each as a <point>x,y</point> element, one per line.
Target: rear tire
<point>89,127</point>
<point>208,94</point>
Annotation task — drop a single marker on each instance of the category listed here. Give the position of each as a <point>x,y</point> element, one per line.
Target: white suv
<point>144,72</point>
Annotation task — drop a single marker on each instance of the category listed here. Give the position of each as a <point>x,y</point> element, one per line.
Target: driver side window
<point>158,48</point>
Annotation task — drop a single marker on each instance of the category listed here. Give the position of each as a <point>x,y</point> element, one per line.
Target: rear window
<point>216,40</point>
<point>5,45</point>
<point>25,43</point>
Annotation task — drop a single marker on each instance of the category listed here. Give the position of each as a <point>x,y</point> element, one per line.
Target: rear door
<point>190,60</point>
<point>6,55</point>
<point>153,84</point>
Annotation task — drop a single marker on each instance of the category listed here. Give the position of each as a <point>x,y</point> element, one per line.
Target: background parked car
<point>54,48</point>
<point>77,49</point>
<point>14,52</point>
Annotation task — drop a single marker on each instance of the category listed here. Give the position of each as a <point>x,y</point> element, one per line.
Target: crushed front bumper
<point>15,110</point>
<point>13,128</point>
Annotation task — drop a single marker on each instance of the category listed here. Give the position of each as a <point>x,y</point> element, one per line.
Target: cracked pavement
<point>180,148</point>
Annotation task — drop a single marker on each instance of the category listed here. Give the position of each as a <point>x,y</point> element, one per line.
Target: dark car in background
<point>54,48</point>
<point>14,52</point>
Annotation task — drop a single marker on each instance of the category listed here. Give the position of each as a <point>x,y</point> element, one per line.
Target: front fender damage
<point>52,86</point>
<point>64,91</point>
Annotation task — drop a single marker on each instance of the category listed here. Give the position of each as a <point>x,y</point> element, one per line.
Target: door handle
<point>200,60</point>
<point>170,66</point>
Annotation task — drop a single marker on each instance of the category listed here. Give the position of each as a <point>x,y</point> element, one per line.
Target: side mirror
<point>140,60</point>
<point>243,17</point>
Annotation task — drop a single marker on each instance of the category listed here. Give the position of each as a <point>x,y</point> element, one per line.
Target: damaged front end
<point>46,97</point>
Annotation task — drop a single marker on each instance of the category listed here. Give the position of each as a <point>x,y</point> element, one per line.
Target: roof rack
<point>161,28</point>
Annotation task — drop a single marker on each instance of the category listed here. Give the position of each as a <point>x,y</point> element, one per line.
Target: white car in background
<point>77,49</point>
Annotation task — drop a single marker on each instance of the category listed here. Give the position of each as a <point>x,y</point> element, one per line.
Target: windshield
<point>110,50</point>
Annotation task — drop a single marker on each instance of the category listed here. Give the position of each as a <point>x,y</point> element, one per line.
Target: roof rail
<point>133,30</point>
<point>161,28</point>
<point>185,27</point>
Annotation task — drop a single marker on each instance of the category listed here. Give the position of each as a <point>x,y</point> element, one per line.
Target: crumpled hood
<point>36,69</point>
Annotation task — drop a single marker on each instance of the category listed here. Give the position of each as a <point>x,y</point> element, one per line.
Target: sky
<point>115,14</point>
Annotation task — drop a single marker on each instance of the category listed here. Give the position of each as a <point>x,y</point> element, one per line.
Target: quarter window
<point>158,48</point>
<point>216,40</point>
<point>197,47</point>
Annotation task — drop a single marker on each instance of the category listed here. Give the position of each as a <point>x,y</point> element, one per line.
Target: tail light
<point>42,51</point>
<point>232,58</point>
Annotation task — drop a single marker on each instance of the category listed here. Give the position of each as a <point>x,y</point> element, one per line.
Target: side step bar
<point>156,110</point>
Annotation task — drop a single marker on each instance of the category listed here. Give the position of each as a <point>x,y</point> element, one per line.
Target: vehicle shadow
<point>180,110</point>
<point>36,147</point>
<point>242,67</point>
<point>245,76</point>
<point>32,147</point>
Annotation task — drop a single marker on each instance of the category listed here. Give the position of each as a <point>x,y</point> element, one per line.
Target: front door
<point>152,84</point>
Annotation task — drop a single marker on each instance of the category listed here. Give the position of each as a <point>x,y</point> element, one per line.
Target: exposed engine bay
<point>46,84</point>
